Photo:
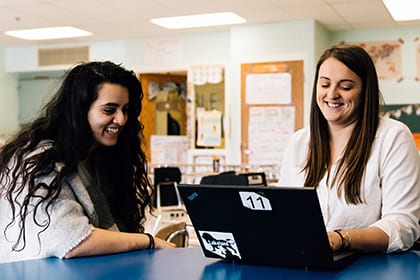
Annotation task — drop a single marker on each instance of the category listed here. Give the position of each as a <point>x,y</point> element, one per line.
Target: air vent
<point>62,56</point>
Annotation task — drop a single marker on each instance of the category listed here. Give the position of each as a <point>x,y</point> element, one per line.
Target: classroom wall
<point>9,103</point>
<point>408,90</point>
<point>270,42</point>
<point>242,44</point>
<point>283,41</point>
<point>197,49</point>
<point>264,43</point>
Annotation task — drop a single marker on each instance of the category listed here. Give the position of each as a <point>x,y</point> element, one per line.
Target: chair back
<point>165,184</point>
<point>176,233</point>
<point>231,178</point>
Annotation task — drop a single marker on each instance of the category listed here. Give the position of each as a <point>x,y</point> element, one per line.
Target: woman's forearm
<point>370,239</point>
<point>101,242</point>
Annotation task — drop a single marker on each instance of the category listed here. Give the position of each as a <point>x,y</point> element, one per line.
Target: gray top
<point>80,206</point>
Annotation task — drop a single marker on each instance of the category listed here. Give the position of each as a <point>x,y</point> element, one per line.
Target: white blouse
<point>390,187</point>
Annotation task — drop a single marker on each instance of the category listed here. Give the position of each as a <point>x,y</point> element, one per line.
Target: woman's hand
<point>160,244</point>
<point>335,240</point>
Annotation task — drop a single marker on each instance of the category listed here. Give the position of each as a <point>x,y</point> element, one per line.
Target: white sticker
<point>220,243</point>
<point>255,201</point>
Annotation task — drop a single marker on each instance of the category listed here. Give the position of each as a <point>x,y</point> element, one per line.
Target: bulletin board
<point>166,149</point>
<point>408,114</point>
<point>272,109</point>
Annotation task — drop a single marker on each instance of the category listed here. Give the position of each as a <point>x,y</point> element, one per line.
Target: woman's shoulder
<point>41,147</point>
<point>388,125</point>
<point>301,134</point>
<point>393,133</point>
<point>298,139</point>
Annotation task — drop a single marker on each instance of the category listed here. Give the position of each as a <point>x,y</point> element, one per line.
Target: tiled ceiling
<point>122,19</point>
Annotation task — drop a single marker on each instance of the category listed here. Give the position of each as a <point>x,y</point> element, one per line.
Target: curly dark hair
<point>64,123</point>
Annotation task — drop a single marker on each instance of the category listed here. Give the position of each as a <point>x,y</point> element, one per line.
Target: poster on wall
<point>387,57</point>
<point>269,130</point>
<point>209,128</point>
<point>408,114</point>
<point>168,149</point>
<point>163,50</point>
<point>268,88</point>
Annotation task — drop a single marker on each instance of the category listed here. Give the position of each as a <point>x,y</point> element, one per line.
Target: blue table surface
<point>190,263</point>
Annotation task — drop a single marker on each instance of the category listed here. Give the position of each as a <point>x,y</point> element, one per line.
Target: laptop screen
<point>259,225</point>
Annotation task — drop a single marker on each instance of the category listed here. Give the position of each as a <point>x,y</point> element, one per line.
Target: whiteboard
<point>269,88</point>
<point>168,149</point>
<point>269,129</point>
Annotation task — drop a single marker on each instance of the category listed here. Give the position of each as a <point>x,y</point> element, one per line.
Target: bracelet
<point>345,240</point>
<point>347,237</point>
<point>151,241</point>
<point>342,238</point>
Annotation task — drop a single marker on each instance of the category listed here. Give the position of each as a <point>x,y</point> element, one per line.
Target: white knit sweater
<point>72,218</point>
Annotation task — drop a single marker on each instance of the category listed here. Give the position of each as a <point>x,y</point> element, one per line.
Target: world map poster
<point>387,57</point>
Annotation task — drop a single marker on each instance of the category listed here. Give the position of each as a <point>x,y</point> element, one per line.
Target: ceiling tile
<point>110,19</point>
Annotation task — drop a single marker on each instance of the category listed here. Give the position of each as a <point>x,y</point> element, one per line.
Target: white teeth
<point>112,130</point>
<point>333,105</point>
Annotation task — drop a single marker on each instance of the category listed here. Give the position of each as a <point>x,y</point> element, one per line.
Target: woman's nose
<point>120,118</point>
<point>333,92</point>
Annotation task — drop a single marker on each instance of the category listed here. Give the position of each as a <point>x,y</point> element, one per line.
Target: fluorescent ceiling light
<point>403,10</point>
<point>201,20</point>
<point>48,33</point>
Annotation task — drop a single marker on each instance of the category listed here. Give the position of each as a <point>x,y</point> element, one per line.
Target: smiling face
<point>107,115</point>
<point>339,92</point>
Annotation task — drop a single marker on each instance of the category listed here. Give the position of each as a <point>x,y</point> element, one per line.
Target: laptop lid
<point>280,226</point>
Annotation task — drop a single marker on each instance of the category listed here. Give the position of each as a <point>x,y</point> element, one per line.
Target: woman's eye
<point>109,111</point>
<point>346,88</point>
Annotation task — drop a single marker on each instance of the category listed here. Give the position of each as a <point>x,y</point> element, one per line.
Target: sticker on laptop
<point>255,201</point>
<point>220,243</point>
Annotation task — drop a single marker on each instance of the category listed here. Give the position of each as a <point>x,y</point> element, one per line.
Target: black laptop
<point>277,226</point>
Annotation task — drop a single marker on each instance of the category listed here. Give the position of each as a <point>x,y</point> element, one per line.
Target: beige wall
<point>8,100</point>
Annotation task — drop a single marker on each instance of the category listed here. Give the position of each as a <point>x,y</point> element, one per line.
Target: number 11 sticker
<point>255,201</point>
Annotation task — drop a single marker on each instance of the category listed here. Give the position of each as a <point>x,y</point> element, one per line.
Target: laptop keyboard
<point>338,255</point>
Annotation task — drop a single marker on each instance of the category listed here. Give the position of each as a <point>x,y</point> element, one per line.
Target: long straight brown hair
<point>351,167</point>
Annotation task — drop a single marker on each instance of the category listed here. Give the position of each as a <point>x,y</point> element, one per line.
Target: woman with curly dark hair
<point>74,181</point>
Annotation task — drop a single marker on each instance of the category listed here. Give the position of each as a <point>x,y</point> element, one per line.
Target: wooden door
<point>150,105</point>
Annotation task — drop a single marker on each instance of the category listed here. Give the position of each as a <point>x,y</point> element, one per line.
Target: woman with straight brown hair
<point>366,168</point>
